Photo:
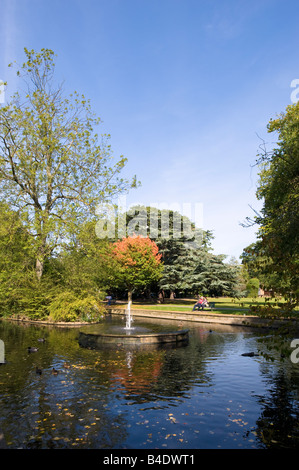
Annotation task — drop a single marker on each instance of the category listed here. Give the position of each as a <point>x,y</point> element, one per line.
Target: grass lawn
<point>223,305</point>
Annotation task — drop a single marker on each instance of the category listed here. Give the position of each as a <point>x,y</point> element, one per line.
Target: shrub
<point>252,287</point>
<point>68,307</point>
<point>26,297</point>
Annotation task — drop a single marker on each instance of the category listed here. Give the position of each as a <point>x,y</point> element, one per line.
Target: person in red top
<point>200,304</point>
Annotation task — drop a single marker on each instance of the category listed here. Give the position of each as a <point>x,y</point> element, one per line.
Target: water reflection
<point>205,395</point>
<point>278,424</point>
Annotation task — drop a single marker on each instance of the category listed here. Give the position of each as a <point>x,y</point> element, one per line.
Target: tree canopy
<point>54,168</point>
<point>138,263</point>
<point>189,266</point>
<point>278,188</point>
<point>55,173</point>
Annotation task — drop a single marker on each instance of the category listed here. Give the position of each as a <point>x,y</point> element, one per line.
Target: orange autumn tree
<point>138,263</point>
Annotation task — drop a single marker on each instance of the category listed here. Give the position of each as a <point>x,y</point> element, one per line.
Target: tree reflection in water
<point>278,424</point>
<point>203,395</point>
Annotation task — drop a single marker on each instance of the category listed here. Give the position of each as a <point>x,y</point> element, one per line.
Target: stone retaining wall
<point>202,317</point>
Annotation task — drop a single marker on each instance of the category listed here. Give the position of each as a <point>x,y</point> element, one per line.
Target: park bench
<point>210,307</point>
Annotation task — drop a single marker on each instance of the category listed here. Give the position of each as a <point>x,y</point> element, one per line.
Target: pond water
<point>205,395</point>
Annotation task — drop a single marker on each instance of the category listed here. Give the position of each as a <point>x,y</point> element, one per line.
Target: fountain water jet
<point>129,318</point>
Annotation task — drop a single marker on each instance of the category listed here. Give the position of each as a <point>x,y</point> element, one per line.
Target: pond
<point>203,395</point>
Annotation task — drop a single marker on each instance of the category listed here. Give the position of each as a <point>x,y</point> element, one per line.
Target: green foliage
<point>67,307</point>
<point>252,287</point>
<point>16,260</point>
<point>23,295</point>
<point>188,265</point>
<point>54,168</point>
<point>257,263</point>
<point>279,190</point>
<point>34,297</point>
<point>87,262</point>
<point>276,310</point>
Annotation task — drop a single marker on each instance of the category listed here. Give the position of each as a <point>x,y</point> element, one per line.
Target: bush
<point>24,297</point>
<point>67,307</point>
<point>252,287</point>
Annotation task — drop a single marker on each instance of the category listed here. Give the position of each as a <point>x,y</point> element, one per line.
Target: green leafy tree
<point>188,265</point>
<point>279,189</point>
<point>16,260</point>
<point>85,264</point>
<point>252,287</point>
<point>240,278</point>
<point>258,265</point>
<point>54,168</point>
<point>178,241</point>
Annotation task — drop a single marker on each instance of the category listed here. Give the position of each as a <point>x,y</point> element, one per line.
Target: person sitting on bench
<point>200,304</point>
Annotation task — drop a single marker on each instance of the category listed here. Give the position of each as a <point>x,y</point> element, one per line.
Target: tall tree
<point>188,266</point>
<point>279,189</point>
<point>54,168</point>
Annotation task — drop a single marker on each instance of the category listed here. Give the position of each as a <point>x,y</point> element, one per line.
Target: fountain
<point>116,335</point>
<point>129,318</point>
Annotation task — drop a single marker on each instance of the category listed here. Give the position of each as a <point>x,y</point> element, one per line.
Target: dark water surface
<point>204,395</point>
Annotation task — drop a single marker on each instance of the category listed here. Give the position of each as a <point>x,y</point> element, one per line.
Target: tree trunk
<point>39,267</point>
<point>40,260</point>
<point>130,295</point>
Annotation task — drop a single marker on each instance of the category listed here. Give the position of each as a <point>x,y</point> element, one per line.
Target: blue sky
<point>185,88</point>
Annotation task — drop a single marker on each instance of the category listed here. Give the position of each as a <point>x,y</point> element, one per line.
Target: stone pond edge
<point>197,317</point>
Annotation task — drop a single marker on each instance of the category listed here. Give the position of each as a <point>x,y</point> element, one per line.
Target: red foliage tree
<point>138,263</point>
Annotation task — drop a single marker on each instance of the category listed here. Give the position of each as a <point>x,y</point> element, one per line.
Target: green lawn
<point>223,305</point>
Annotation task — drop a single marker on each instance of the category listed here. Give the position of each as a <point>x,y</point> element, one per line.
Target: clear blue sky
<point>184,87</point>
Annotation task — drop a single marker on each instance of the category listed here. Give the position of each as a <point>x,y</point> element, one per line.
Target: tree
<point>257,264</point>
<point>240,278</point>
<point>138,263</point>
<point>252,287</point>
<point>54,168</point>
<point>188,266</point>
<point>16,261</point>
<point>221,279</point>
<point>279,189</point>
<point>179,242</point>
